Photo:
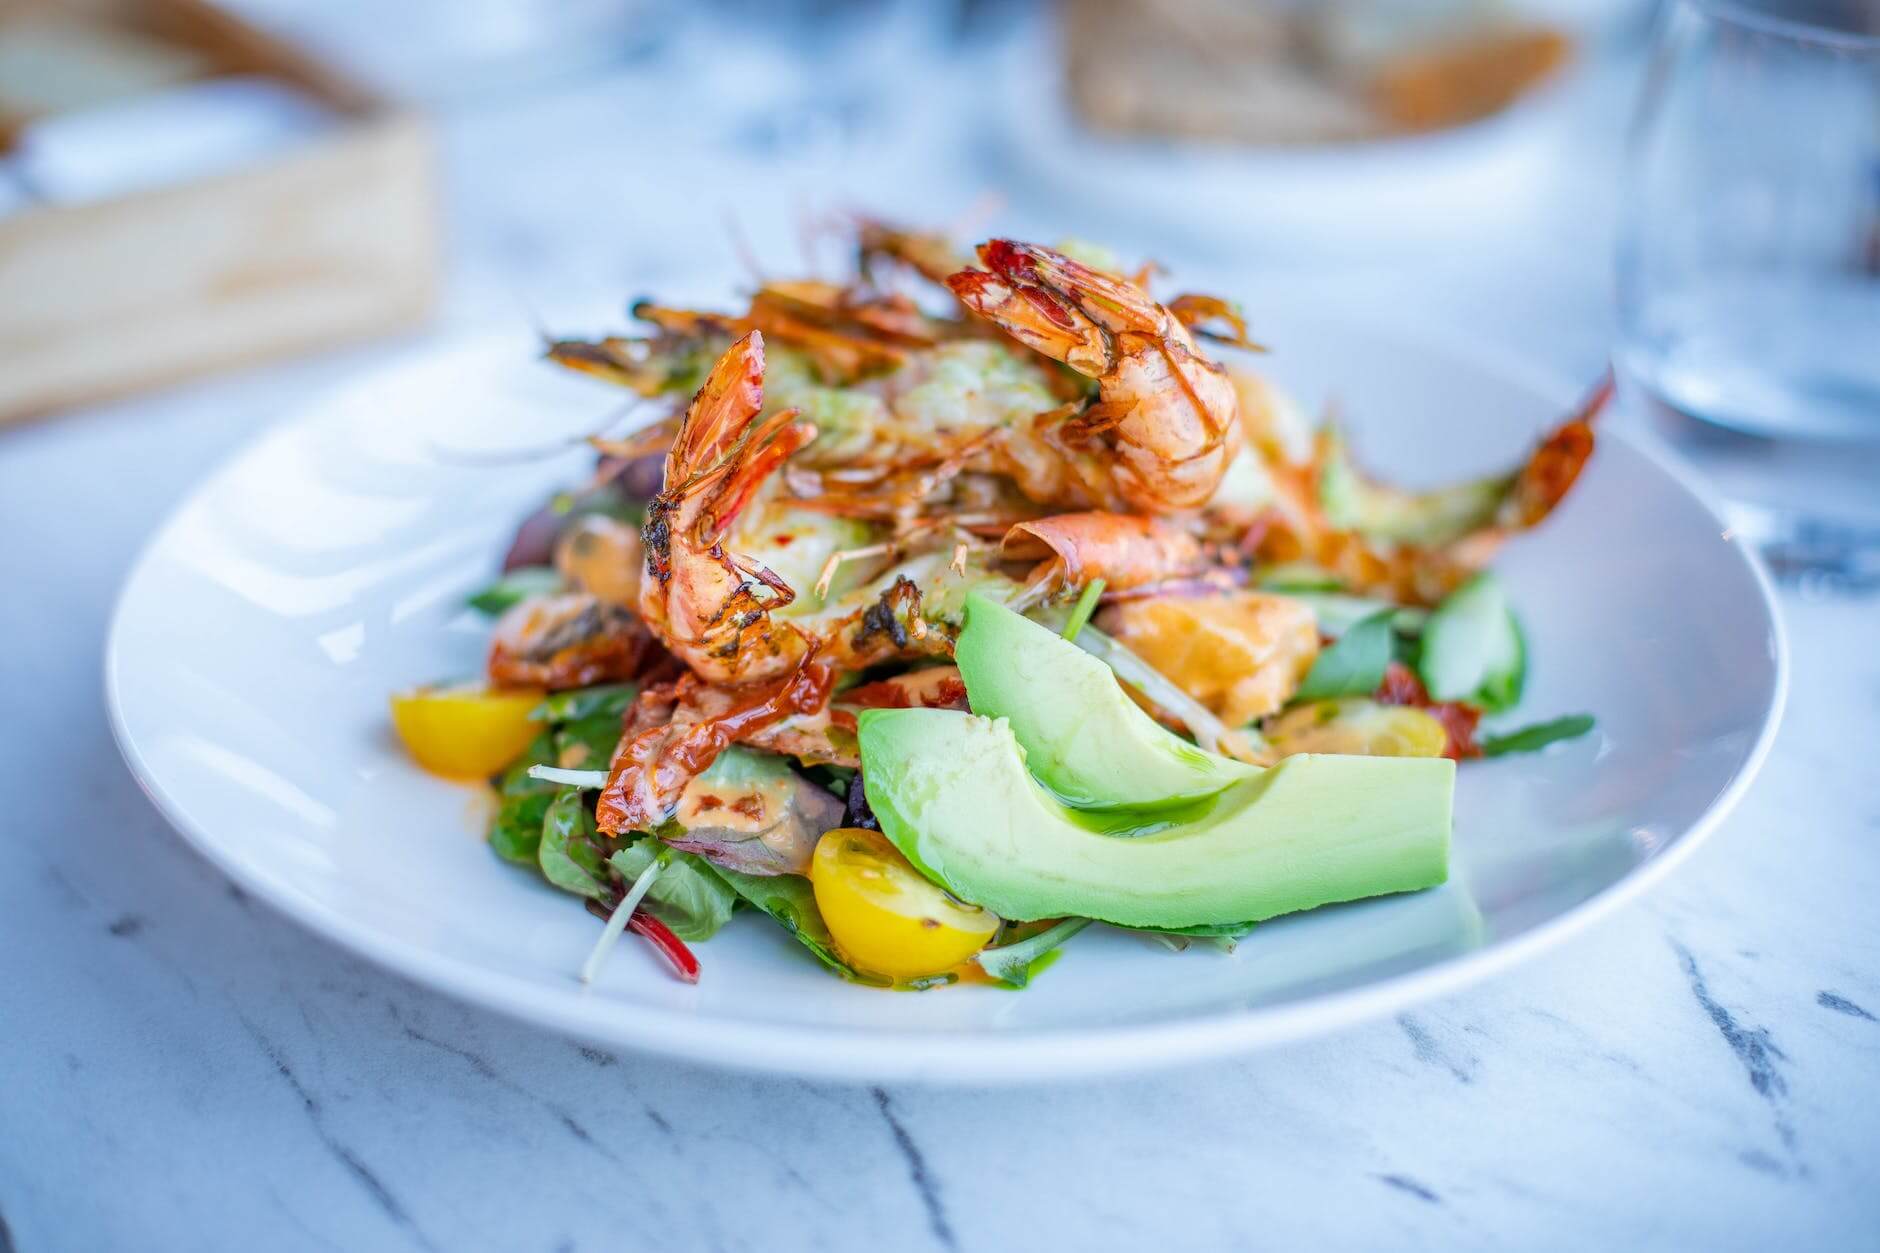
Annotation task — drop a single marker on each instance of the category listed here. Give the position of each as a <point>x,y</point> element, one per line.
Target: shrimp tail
<point>1555,465</point>
<point>721,411</point>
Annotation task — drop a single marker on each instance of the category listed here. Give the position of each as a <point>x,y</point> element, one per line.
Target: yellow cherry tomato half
<point>1358,727</point>
<point>886,918</point>
<point>465,732</point>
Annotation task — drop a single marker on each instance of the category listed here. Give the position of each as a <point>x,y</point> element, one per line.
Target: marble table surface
<point>185,1069</point>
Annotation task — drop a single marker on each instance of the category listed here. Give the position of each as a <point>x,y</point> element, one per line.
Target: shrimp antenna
<point>810,229</point>
<point>741,246</point>
<point>530,312</point>
<point>535,452</point>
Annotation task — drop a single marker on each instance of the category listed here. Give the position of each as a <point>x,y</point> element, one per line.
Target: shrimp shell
<point>711,607</point>
<point>1168,417</point>
<point>1124,550</point>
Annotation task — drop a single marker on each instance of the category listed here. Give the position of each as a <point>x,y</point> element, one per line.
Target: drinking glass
<point>1749,257</point>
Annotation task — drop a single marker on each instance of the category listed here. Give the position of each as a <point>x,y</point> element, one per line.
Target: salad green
<point>933,637</point>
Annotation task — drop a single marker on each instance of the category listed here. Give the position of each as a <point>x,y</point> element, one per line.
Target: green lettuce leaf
<point>589,743</point>
<point>516,833</point>
<point>515,780</point>
<point>1353,666</point>
<point>687,895</point>
<point>586,702</point>
<point>572,855</point>
<point>516,830</point>
<point>791,901</point>
<point>1531,739</point>
<point>514,588</point>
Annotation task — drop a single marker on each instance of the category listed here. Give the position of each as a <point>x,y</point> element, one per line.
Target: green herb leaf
<point>1353,666</point>
<point>1016,964</point>
<point>586,702</point>
<point>688,895</point>
<point>572,855</point>
<point>1533,738</point>
<point>1085,606</point>
<point>514,588</point>
<point>790,900</point>
<point>516,832</point>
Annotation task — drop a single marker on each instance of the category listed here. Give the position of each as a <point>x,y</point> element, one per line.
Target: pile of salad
<point>947,608</point>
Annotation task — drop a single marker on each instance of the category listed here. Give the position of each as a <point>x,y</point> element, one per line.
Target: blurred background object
<point>180,192</point>
<point>1287,132</point>
<point>1449,163</point>
<point>1749,275</point>
<point>449,51</point>
<point>667,120</point>
<point>178,134</point>
<point>1324,71</point>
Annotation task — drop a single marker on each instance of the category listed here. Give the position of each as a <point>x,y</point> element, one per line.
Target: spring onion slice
<point>617,921</point>
<point>1011,963</point>
<point>1086,605</point>
<point>1209,731</point>
<point>588,779</point>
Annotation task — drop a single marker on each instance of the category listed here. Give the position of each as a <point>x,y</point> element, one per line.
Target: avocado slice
<point>952,791</point>
<point>1083,737</point>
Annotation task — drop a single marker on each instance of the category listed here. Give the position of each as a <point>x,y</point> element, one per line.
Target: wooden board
<point>334,239</point>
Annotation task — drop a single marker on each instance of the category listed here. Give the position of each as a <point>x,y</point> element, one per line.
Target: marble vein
<point>1753,1046</point>
<point>1841,1005</point>
<point>1405,1184</point>
<point>1755,1049</point>
<point>1431,1052</point>
<point>481,1067</point>
<point>367,1178</point>
<point>917,1172</point>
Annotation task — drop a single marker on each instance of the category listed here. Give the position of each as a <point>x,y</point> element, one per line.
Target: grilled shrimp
<point>905,401</point>
<point>570,640</point>
<point>674,732</point>
<point>1166,417</point>
<point>927,253</point>
<point>1413,547</point>
<point>743,577</point>
<point>712,607</point>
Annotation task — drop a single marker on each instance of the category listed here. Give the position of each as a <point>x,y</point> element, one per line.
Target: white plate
<point>326,565</point>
